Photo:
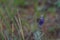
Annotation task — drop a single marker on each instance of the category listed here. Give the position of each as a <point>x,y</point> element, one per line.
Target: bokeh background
<point>29,19</point>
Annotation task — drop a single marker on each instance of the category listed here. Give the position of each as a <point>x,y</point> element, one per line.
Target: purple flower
<point>41,21</point>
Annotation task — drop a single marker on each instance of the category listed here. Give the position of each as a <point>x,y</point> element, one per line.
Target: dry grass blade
<point>1,30</point>
<point>19,25</point>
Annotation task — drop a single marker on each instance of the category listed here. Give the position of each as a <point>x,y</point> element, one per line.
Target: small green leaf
<point>58,3</point>
<point>19,2</point>
<point>51,9</point>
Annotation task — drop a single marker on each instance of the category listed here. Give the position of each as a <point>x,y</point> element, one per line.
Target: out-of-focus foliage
<point>18,19</point>
<point>19,2</point>
<point>3,1</point>
<point>58,3</point>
